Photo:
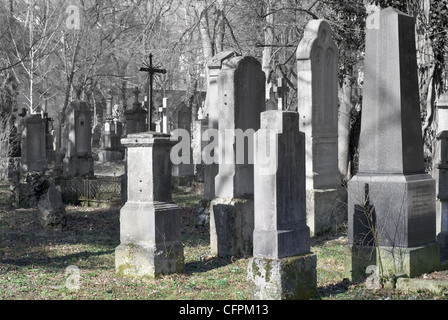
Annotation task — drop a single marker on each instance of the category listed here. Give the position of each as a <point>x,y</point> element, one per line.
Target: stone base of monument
<point>442,240</point>
<point>292,278</point>
<point>110,155</point>
<point>411,262</point>
<point>149,261</point>
<point>232,226</point>
<point>150,240</point>
<point>78,166</point>
<point>325,209</point>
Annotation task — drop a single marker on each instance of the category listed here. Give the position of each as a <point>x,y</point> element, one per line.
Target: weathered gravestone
<point>33,145</point>
<point>283,266</point>
<point>76,140</point>
<point>391,200</point>
<point>442,177</point>
<point>317,89</point>
<point>149,221</point>
<point>181,119</point>
<point>136,116</point>
<point>212,107</point>
<point>110,140</point>
<point>52,210</point>
<point>241,84</point>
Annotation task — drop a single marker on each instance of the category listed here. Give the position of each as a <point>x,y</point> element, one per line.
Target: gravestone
<point>283,266</point>
<point>136,116</point>
<point>241,91</point>
<point>391,200</point>
<point>110,140</point>
<point>442,177</point>
<point>149,221</point>
<point>52,210</point>
<point>317,89</point>
<point>181,119</point>
<point>76,140</point>
<point>33,146</point>
<point>212,108</point>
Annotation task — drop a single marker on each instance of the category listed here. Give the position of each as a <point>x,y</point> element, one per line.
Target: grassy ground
<point>34,261</point>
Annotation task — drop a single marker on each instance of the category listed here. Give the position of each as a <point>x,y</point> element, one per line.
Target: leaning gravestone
<point>52,210</point>
<point>317,63</point>
<point>149,221</point>
<point>283,266</point>
<point>76,140</point>
<point>391,200</point>
<point>241,84</point>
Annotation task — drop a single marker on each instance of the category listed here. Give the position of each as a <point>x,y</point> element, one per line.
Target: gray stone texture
<point>149,221</point>
<point>317,81</point>
<point>33,143</point>
<point>391,196</point>
<point>76,140</point>
<point>241,87</point>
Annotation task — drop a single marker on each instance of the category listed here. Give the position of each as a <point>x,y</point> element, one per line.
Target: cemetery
<point>255,182</point>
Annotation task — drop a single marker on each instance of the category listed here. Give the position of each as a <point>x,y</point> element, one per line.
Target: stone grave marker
<point>181,119</point>
<point>52,210</point>
<point>212,108</point>
<point>241,90</point>
<point>283,266</point>
<point>149,221</point>
<point>391,190</point>
<point>110,140</point>
<point>76,140</point>
<point>33,145</point>
<point>317,89</point>
<point>136,116</point>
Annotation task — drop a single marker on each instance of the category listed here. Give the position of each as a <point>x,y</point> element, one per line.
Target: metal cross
<point>282,90</point>
<point>151,71</point>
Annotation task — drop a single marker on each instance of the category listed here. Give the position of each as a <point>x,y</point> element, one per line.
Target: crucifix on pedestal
<point>282,90</point>
<point>151,71</point>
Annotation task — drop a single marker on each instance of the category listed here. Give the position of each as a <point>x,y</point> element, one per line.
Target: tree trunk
<point>269,41</point>
<point>345,107</point>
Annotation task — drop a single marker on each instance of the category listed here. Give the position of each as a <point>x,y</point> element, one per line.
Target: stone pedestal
<point>149,221</point>
<point>292,278</point>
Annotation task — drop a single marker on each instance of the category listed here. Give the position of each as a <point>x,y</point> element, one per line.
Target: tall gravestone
<point>149,221</point>
<point>442,177</point>
<point>241,89</point>
<point>33,146</point>
<point>391,200</point>
<point>76,140</point>
<point>136,116</point>
<point>283,266</point>
<point>181,119</point>
<point>212,106</point>
<point>317,89</point>
<point>110,139</point>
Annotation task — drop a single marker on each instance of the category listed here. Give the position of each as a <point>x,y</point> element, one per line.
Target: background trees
<point>46,62</point>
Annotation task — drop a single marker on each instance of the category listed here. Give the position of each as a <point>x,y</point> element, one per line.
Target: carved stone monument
<point>391,200</point>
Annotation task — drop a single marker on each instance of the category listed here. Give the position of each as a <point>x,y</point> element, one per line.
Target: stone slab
<point>292,278</point>
<point>231,226</point>
<point>326,209</point>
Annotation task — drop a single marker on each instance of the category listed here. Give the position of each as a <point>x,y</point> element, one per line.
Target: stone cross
<point>282,90</point>
<point>152,70</point>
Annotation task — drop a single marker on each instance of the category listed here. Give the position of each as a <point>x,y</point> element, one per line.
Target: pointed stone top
<point>317,33</point>
<point>215,62</point>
